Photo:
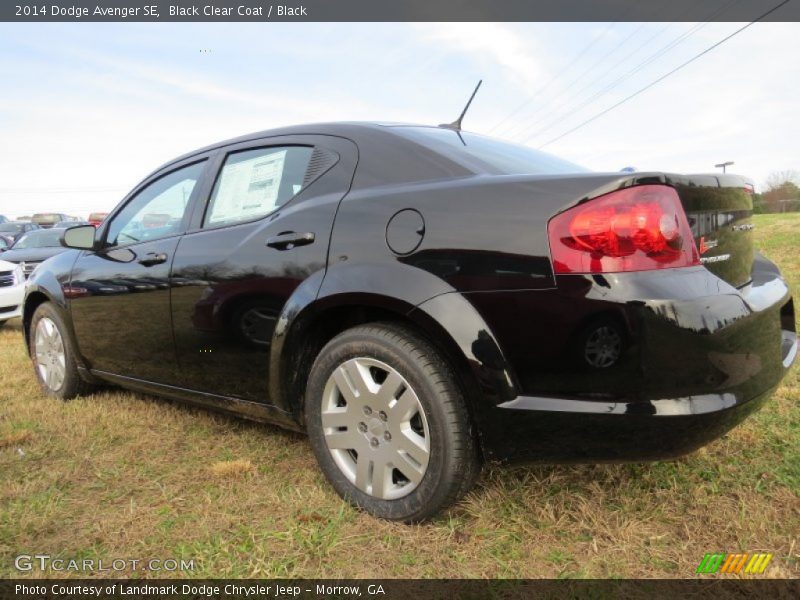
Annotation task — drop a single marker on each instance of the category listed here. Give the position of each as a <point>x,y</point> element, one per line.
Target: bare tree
<point>783,192</point>
<point>778,179</point>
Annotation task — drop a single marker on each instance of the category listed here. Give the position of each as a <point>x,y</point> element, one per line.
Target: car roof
<point>357,131</point>
<point>383,152</point>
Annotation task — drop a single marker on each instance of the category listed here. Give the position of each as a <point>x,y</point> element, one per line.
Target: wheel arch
<point>33,299</point>
<point>448,322</point>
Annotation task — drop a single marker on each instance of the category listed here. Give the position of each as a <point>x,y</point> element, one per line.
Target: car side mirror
<point>80,237</point>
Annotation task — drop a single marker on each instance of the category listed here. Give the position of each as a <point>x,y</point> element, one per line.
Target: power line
<point>601,92</point>
<point>560,73</point>
<point>595,64</point>
<point>648,40</point>
<point>663,77</point>
<point>607,88</point>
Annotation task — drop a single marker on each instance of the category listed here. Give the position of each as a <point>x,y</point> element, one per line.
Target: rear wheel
<point>53,355</point>
<point>388,424</point>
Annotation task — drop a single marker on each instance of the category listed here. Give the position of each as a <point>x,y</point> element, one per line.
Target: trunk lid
<point>719,209</point>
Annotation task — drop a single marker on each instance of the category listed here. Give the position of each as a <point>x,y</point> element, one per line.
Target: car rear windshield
<point>483,154</point>
<point>11,227</point>
<point>39,239</point>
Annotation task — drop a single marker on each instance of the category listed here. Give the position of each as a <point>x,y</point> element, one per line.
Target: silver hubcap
<point>375,428</point>
<point>50,358</point>
<point>603,347</point>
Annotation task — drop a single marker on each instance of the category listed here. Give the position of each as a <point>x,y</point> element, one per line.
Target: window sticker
<point>248,189</point>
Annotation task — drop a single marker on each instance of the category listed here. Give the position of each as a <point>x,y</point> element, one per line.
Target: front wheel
<point>388,423</point>
<point>53,355</point>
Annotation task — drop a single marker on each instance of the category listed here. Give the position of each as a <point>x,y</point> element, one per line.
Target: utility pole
<point>724,164</point>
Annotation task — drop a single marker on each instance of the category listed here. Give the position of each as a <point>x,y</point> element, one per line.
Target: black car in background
<point>16,229</point>
<point>420,300</point>
<point>34,247</point>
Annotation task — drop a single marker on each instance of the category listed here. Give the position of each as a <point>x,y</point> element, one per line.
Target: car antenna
<point>456,125</point>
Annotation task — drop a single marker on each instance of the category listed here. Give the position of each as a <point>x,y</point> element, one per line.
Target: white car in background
<point>12,291</point>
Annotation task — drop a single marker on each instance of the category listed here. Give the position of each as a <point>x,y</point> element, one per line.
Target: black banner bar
<point>393,589</point>
<point>394,11</point>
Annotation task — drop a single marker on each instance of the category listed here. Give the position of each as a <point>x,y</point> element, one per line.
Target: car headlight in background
<point>19,275</point>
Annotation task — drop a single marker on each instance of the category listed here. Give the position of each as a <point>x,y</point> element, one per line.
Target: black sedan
<point>421,300</point>
<point>34,247</point>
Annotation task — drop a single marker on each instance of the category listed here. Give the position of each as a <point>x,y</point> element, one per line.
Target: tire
<point>2,324</point>
<point>55,347</point>
<point>402,448</point>
<point>599,345</point>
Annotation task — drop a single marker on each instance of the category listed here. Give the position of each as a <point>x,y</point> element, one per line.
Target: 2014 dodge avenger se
<point>422,299</point>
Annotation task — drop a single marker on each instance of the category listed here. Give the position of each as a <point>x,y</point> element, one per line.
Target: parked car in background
<point>12,291</point>
<point>33,248</point>
<point>6,241</point>
<point>96,218</point>
<point>3,218</point>
<point>48,220</point>
<point>420,300</point>
<point>15,229</point>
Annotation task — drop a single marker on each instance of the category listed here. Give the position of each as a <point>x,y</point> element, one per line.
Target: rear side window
<point>481,154</point>
<point>253,183</point>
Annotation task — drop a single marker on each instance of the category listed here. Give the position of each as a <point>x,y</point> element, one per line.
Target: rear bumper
<point>698,357</point>
<point>565,430</point>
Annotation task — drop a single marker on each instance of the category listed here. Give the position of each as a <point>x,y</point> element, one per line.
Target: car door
<point>119,294</point>
<point>265,229</point>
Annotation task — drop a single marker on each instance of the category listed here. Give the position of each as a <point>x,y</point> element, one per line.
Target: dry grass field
<point>121,475</point>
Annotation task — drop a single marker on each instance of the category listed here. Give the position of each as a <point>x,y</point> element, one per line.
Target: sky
<point>89,109</point>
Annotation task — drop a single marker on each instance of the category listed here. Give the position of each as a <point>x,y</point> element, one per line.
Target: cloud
<point>490,45</point>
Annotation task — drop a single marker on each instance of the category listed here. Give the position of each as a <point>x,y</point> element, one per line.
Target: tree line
<point>782,193</point>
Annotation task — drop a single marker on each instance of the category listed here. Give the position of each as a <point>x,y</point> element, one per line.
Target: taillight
<point>634,229</point>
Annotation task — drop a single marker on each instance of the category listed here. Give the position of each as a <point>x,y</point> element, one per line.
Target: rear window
<point>483,154</point>
<point>11,227</point>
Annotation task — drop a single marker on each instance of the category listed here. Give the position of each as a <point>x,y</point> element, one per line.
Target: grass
<point>121,475</point>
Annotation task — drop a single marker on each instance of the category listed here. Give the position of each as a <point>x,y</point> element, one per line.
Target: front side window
<point>156,211</point>
<point>253,183</point>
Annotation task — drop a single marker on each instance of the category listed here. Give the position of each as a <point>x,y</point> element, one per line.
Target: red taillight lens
<point>633,229</point>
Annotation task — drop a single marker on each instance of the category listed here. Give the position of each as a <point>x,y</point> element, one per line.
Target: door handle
<point>151,258</point>
<point>289,240</point>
